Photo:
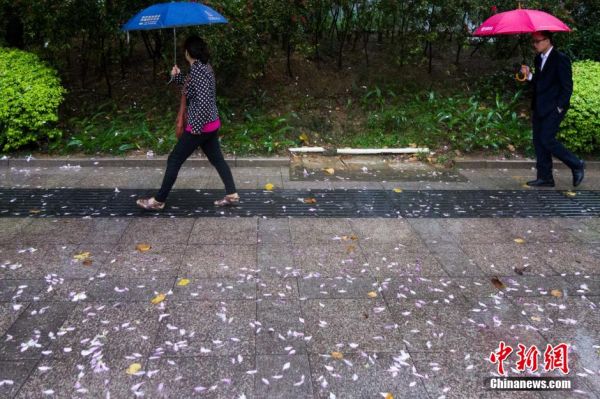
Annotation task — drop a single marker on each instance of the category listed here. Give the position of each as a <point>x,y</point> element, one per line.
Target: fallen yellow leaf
<point>133,368</point>
<point>143,247</point>
<point>35,211</point>
<point>350,249</point>
<point>372,294</point>
<point>158,299</point>
<point>310,200</point>
<point>389,396</point>
<point>337,355</point>
<point>397,190</point>
<point>82,256</point>
<point>183,282</point>
<point>536,318</point>
<point>519,241</point>
<point>269,187</point>
<point>556,293</point>
<point>570,193</point>
<point>330,171</point>
<point>303,138</point>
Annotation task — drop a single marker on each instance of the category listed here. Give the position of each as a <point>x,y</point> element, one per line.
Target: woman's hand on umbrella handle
<point>175,71</point>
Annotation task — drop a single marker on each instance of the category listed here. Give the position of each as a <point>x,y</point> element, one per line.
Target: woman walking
<point>201,128</point>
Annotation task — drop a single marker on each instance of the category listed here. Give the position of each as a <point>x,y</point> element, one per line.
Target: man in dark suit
<point>552,85</point>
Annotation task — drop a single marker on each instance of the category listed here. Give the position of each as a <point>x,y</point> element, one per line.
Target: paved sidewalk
<point>287,307</point>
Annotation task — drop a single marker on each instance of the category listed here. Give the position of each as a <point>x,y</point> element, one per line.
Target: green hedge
<point>31,94</point>
<point>581,127</point>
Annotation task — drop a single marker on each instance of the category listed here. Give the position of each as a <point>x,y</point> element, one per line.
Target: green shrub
<point>31,93</point>
<point>581,127</point>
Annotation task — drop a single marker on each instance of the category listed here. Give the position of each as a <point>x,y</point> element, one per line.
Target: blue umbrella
<point>173,15</point>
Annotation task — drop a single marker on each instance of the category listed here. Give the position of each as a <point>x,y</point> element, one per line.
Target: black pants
<point>546,145</point>
<point>186,145</point>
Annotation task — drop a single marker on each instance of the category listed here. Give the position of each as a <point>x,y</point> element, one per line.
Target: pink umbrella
<point>520,21</point>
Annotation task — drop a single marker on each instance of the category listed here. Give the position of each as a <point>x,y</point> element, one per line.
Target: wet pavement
<point>328,303</point>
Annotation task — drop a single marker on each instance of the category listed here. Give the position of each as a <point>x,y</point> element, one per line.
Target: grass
<point>370,117</point>
<point>436,121</point>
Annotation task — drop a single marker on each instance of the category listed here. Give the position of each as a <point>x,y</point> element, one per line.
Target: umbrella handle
<point>519,77</point>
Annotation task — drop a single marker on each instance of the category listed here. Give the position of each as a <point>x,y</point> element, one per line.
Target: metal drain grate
<point>283,203</point>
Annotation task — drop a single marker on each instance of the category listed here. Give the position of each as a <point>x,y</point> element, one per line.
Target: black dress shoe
<point>578,174</point>
<point>541,183</point>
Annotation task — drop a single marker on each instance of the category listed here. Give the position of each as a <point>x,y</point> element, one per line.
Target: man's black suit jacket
<point>552,86</point>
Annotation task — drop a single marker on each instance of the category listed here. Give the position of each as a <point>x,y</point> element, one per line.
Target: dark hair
<point>548,35</point>
<point>197,49</point>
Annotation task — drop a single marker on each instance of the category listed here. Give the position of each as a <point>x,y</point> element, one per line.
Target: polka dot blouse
<point>201,94</point>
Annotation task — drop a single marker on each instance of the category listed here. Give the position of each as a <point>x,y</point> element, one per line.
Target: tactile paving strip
<point>15,202</point>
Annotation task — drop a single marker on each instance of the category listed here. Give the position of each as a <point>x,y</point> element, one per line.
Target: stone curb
<point>158,162</point>
<point>485,164</point>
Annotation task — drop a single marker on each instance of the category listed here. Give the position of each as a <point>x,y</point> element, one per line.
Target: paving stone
<point>573,258</point>
<point>350,325</point>
<point>329,260</point>
<point>9,313</point>
<point>107,289</point>
<point>55,231</point>
<point>217,261</point>
<point>432,231</point>
<point>401,288</point>
<point>388,260</point>
<point>428,326</point>
<point>155,231</point>
<point>282,328</point>
<point>30,334</point>
<point>20,290</point>
<point>221,289</point>
<point>160,261</point>
<point>274,230</point>
<point>224,231</point>
<point>62,260</point>
<point>203,328</point>
<point>366,375</point>
<point>476,231</point>
<point>536,230</point>
<point>106,230</point>
<point>580,228</point>
<point>11,228</point>
<point>14,374</point>
<point>92,328</point>
<point>277,288</point>
<point>454,260</point>
<point>100,376</point>
<point>207,377</point>
<point>513,286</point>
<point>283,377</point>
<point>320,230</point>
<point>502,259</point>
<point>275,259</point>
<point>337,287</point>
<point>397,231</point>
<point>453,372</point>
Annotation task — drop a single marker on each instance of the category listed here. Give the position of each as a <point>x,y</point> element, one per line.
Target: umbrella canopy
<point>174,15</point>
<point>520,21</point>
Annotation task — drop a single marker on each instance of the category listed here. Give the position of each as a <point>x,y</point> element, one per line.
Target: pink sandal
<point>228,200</point>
